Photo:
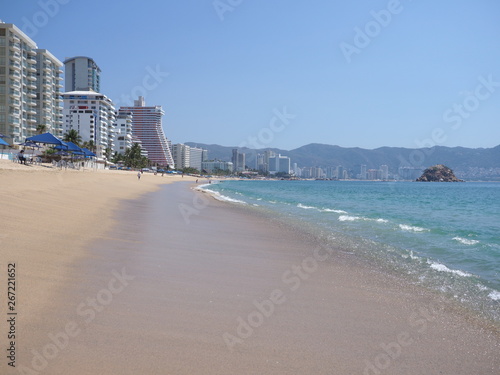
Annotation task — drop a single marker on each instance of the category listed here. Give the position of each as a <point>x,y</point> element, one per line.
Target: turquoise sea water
<point>444,236</point>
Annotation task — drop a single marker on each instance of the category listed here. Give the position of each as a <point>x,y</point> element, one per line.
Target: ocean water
<point>444,236</point>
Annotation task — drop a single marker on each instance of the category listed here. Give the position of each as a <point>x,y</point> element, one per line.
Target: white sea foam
<point>300,205</point>
<point>465,241</point>
<point>411,256</point>
<point>410,228</point>
<point>495,295</point>
<point>442,268</point>
<point>348,218</point>
<point>225,198</point>
<point>332,210</point>
<point>202,187</point>
<point>382,221</point>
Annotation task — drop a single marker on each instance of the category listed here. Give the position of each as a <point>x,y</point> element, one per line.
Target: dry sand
<point>173,283</point>
<point>48,215</point>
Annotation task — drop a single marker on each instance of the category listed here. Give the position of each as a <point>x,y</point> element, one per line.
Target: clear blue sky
<point>415,79</point>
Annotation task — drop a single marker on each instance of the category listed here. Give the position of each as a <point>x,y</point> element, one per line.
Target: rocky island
<point>438,173</point>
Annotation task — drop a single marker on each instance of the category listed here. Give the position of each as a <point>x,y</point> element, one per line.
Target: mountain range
<point>467,163</point>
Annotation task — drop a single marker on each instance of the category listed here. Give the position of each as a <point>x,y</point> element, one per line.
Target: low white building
<point>211,166</point>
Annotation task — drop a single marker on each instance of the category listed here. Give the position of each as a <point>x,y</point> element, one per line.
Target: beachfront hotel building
<point>147,126</point>
<point>29,86</point>
<point>182,155</point>
<point>196,157</point>
<point>48,92</point>
<point>123,132</point>
<point>81,74</point>
<point>188,157</point>
<point>92,115</point>
<point>279,164</point>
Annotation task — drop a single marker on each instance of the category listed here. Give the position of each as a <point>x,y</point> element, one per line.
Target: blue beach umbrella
<point>3,144</point>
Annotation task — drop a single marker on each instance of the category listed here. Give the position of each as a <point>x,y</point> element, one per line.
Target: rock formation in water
<point>438,173</point>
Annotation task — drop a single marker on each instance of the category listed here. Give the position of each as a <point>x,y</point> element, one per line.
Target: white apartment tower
<point>123,132</point>
<point>29,86</point>
<point>82,74</point>
<point>196,157</point>
<point>181,154</point>
<point>92,115</point>
<point>48,92</point>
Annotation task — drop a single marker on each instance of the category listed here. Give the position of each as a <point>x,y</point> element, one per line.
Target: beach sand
<point>119,277</point>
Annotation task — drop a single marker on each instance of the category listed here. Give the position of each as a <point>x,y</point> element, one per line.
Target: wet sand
<point>183,284</point>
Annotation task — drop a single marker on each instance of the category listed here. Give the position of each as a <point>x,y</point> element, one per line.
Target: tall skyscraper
<point>239,160</point>
<point>340,172</point>
<point>82,74</point>
<point>29,86</point>
<point>362,174</point>
<point>147,126</point>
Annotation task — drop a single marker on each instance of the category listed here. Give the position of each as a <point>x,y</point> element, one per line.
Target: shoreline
<point>374,246</point>
<point>215,289</point>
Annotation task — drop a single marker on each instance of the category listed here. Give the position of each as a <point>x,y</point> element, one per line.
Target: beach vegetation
<point>190,170</point>
<point>41,128</point>
<point>133,158</point>
<point>90,145</point>
<point>72,135</point>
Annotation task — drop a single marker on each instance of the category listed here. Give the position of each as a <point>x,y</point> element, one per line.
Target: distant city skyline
<point>280,75</point>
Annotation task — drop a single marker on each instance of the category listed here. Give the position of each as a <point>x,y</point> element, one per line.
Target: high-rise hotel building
<point>92,115</point>
<point>147,126</point>
<point>29,86</point>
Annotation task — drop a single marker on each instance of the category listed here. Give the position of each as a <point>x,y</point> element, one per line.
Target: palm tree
<point>40,129</point>
<point>89,145</point>
<point>72,136</point>
<point>108,152</point>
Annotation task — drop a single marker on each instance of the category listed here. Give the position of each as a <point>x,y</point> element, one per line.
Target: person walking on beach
<point>138,175</point>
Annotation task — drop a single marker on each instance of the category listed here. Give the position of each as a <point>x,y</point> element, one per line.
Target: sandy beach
<point>119,276</point>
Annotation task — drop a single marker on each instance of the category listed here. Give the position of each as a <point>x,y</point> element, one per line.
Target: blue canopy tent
<point>88,153</point>
<point>47,138</point>
<point>3,144</point>
<point>69,146</point>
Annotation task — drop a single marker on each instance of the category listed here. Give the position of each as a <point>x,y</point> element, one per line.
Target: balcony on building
<point>15,46</point>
